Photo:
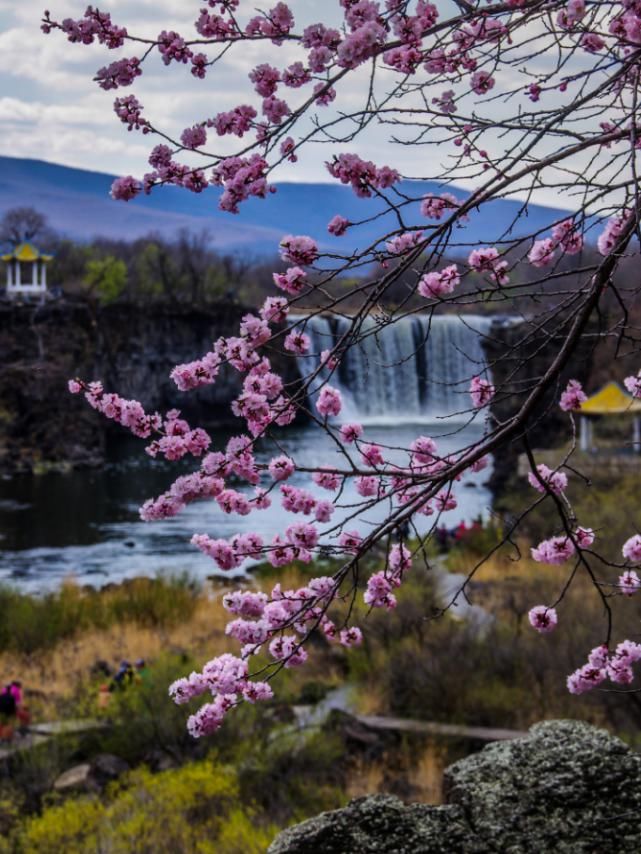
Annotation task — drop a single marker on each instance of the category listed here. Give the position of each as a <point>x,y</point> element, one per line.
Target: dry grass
<point>504,564</point>
<point>414,771</point>
<point>52,677</point>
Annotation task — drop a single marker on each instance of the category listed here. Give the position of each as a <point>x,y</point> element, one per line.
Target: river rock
<point>75,779</point>
<point>107,767</point>
<point>566,787</point>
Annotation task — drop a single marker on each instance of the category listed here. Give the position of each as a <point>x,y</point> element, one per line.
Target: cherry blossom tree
<point>512,100</point>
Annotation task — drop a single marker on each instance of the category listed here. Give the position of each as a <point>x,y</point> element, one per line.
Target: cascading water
<point>415,369</point>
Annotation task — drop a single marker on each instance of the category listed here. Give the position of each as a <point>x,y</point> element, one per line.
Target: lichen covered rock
<point>566,787</point>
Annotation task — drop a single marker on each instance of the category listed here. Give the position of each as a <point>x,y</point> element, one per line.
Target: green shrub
<point>190,809</point>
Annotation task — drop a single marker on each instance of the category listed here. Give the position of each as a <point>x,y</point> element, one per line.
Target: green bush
<point>190,809</point>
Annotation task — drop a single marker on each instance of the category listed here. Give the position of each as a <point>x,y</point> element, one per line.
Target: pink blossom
<point>194,137</point>
<point>255,692</point>
<point>274,310</point>
<point>338,225</point>
<point>445,501</point>
<point>481,391</point>
<point>297,342</point>
<point>351,432</point>
<point>543,619</point>
<point>379,592</point>
<point>629,582</point>
<point>280,468</point>
<point>553,551</point>
<point>292,281</point>
<point>404,242</point>
<point>275,109</point>
<point>423,450</point>
<point>329,401</point>
<point>125,189</point>
<point>542,253</point>
<point>487,260</point>
<point>434,207</point>
<point>567,237</point>
<point>351,636</point>
<point>327,478</point>
<point>323,511</point>
<point>435,285</point>
<point>632,549</point>
<point>612,232</point>
<point>360,45</point>
<point>584,537</point>
<point>361,174</point>
<point>633,385</point>
<point>592,42</point>
<point>372,455</point>
<point>245,603</point>
<point>585,678</point>
<point>572,397</point>
<point>299,250</point>
<point>482,82</point>
<point>555,481</point>
<point>350,541</point>
<point>367,486</point>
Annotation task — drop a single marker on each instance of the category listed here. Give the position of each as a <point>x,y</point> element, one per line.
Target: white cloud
<point>51,108</point>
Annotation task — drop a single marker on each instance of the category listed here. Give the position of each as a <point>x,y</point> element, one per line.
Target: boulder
<point>76,779</point>
<point>565,787</point>
<point>106,767</point>
<point>378,823</point>
<point>91,777</point>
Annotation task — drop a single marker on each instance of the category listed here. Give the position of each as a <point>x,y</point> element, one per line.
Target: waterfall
<point>415,369</point>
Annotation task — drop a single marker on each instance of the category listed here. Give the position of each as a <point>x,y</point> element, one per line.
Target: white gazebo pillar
<point>34,275</point>
<point>585,430</point>
<point>18,282</point>
<point>43,279</point>
<point>9,275</point>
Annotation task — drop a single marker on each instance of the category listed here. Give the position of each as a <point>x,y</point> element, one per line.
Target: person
<point>104,696</point>
<point>7,713</point>
<point>124,676</point>
<point>12,709</point>
<point>142,671</point>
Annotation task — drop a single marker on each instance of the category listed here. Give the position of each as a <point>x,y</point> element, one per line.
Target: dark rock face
<point>130,348</point>
<point>519,354</point>
<point>566,787</point>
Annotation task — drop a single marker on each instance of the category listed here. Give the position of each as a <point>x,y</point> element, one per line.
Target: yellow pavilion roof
<point>610,400</point>
<point>26,252</point>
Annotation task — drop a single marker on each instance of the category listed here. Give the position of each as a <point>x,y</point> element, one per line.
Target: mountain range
<point>78,205</point>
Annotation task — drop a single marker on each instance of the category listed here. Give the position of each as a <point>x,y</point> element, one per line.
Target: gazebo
<point>609,400</point>
<point>26,270</point>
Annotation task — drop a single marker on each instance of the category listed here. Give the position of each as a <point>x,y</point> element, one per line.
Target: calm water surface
<point>85,524</point>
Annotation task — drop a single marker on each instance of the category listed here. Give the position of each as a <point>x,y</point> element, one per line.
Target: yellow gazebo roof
<point>26,252</point>
<point>610,400</point>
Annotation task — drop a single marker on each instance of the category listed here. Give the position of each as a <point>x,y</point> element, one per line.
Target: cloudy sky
<point>51,109</point>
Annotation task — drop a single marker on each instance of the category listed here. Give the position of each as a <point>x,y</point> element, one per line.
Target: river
<point>84,524</point>
<point>400,381</point>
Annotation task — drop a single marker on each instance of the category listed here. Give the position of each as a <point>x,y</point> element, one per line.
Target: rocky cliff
<point>518,355</point>
<point>130,348</point>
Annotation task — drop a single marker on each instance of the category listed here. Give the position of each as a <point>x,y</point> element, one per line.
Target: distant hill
<point>78,205</point>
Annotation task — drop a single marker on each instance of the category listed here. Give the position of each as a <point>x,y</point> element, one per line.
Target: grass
<point>53,644</point>
<point>30,624</point>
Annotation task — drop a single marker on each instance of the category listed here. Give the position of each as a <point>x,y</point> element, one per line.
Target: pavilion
<point>609,400</point>
<point>26,270</point>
